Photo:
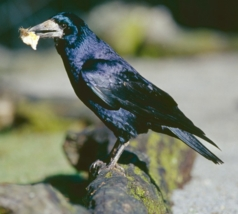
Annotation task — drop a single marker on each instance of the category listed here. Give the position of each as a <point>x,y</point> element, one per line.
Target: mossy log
<point>154,165</point>
<point>37,199</point>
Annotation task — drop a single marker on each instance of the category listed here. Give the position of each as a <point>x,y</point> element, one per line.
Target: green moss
<point>170,159</point>
<point>133,193</point>
<point>152,206</point>
<point>139,172</point>
<point>152,152</point>
<point>130,178</point>
<point>124,166</point>
<point>165,153</point>
<point>143,194</point>
<point>108,175</point>
<point>140,192</point>
<point>133,143</point>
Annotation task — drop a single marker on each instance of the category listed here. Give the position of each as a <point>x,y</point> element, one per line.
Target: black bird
<point>124,100</point>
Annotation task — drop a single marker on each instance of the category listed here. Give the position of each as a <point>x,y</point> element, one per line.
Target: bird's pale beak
<point>47,29</point>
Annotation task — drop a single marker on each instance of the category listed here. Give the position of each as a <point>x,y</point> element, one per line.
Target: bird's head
<point>59,26</point>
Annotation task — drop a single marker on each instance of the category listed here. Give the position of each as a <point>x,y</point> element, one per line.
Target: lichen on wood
<point>154,166</point>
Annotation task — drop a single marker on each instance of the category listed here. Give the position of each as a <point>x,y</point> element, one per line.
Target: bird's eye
<point>64,25</point>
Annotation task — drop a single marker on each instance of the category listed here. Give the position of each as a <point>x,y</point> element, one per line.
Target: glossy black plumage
<point>124,100</point>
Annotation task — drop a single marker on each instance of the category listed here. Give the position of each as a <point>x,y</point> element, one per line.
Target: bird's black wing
<point>119,86</point>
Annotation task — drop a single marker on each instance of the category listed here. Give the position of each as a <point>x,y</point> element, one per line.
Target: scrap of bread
<point>29,37</point>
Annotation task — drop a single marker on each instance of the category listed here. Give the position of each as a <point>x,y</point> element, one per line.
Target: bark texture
<point>153,164</point>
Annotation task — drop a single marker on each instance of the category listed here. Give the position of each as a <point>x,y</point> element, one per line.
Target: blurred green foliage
<point>30,157</point>
<point>41,117</point>
<point>140,30</point>
<point>31,149</point>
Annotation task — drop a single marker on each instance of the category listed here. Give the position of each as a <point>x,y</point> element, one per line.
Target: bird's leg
<point>116,152</point>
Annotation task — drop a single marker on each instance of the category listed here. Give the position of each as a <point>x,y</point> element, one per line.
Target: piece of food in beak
<point>29,37</point>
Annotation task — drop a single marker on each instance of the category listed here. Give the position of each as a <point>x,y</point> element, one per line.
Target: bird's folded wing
<point>120,86</point>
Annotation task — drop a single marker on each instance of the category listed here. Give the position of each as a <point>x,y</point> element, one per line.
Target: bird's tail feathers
<point>195,144</point>
<point>208,140</point>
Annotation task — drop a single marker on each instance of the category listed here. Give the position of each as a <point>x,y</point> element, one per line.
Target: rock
<point>37,199</point>
<point>7,113</point>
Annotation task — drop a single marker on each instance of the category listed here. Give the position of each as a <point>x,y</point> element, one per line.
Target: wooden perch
<point>154,166</point>
<point>129,192</point>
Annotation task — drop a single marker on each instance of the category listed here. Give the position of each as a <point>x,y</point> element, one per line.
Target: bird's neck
<point>74,51</point>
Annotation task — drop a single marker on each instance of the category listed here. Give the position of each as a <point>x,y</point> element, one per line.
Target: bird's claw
<point>98,166</point>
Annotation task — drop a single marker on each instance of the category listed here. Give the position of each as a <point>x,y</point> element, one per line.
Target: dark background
<point>215,14</point>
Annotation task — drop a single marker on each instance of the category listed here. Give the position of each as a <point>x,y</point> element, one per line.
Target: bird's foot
<point>117,167</point>
<point>98,166</point>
